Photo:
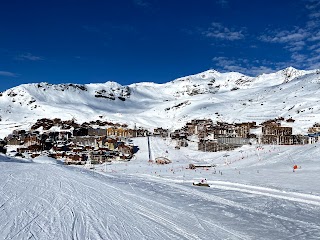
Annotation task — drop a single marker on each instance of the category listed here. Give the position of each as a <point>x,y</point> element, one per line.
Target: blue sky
<point>127,41</point>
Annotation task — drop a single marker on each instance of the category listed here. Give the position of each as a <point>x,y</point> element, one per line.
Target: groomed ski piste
<point>253,194</point>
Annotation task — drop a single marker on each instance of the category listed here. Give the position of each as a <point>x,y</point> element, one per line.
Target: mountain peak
<point>221,96</point>
<point>290,68</point>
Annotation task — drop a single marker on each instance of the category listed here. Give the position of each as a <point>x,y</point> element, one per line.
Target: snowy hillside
<point>231,97</point>
<point>253,194</point>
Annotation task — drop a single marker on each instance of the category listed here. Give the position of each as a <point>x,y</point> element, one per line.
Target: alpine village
<point>99,142</point>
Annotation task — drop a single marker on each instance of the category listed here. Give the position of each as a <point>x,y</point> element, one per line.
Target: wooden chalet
<point>313,137</point>
<point>161,132</point>
<point>213,146</point>
<point>243,129</point>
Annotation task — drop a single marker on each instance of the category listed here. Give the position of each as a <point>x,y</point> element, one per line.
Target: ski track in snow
<point>48,201</point>
<point>67,203</point>
<point>81,209</point>
<point>292,196</point>
<point>224,201</point>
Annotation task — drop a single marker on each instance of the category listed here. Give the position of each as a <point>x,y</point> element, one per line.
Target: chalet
<point>63,135</point>
<point>313,137</point>
<point>223,129</point>
<point>88,148</point>
<point>73,158</point>
<point>21,133</point>
<point>101,142</point>
<point>33,139</point>
<point>119,132</point>
<point>278,139</point>
<point>85,140</point>
<point>243,129</point>
<point>97,132</point>
<point>68,124</point>
<point>13,140</point>
<point>56,121</point>
<point>191,128</point>
<point>199,127</point>
<point>100,157</point>
<point>126,150</point>
<point>161,132</point>
<point>34,148</point>
<point>315,128</point>
<point>111,143</point>
<point>213,146</point>
<point>78,149</point>
<point>179,134</point>
<point>47,143</point>
<point>140,132</point>
<point>59,155</point>
<point>273,133</point>
<point>81,131</point>
<point>61,148</point>
<point>276,130</point>
<point>182,143</point>
<point>300,139</point>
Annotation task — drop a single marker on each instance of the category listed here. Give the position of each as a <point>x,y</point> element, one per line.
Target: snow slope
<point>255,196</point>
<point>231,97</point>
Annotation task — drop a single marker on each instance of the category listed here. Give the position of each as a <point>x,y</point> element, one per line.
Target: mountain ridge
<point>210,94</point>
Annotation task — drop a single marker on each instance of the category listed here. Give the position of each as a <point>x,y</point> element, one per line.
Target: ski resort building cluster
<point>221,136</point>
<point>76,143</point>
<point>100,141</point>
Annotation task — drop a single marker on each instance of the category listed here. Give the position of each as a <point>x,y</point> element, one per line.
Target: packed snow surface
<point>253,194</point>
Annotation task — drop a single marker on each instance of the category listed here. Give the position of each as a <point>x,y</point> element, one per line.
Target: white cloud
<point>314,23</point>
<point>218,31</point>
<point>255,71</point>
<point>285,36</point>
<point>314,46</point>
<point>8,74</point>
<point>313,4</point>
<point>315,37</point>
<point>295,46</point>
<point>142,3</point>
<point>223,3</point>
<point>298,58</point>
<point>223,61</point>
<point>314,15</point>
<point>303,42</point>
<point>313,7</point>
<point>242,65</point>
<point>28,56</point>
<point>312,62</point>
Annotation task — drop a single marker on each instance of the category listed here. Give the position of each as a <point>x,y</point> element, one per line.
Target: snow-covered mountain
<point>254,192</point>
<point>231,97</point>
